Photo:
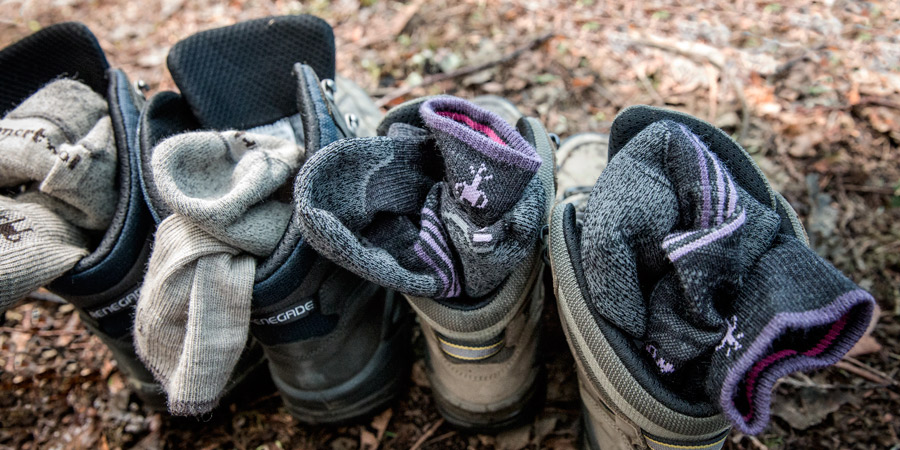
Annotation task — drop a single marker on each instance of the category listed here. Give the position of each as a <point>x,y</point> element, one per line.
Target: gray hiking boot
<point>446,205</point>
<point>482,362</point>
<point>337,345</point>
<point>103,283</point>
<point>360,113</point>
<point>615,416</point>
<point>656,371</point>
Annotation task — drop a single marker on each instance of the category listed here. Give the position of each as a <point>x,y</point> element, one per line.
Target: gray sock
<point>58,147</point>
<point>61,140</point>
<point>680,256</point>
<point>36,247</point>
<point>193,316</point>
<point>446,202</point>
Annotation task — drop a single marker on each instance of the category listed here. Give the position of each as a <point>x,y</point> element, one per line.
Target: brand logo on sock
<point>470,191</point>
<point>730,341</point>
<point>39,136</point>
<point>12,228</point>
<point>116,306</point>
<point>290,315</point>
<point>249,143</point>
<point>664,366</point>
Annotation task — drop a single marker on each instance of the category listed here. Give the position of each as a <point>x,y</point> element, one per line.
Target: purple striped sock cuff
<point>747,391</point>
<point>481,130</point>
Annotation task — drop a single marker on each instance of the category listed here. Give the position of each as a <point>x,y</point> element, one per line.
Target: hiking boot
<point>93,255</point>
<point>446,206</point>
<point>361,115</point>
<point>584,157</point>
<point>682,212</point>
<point>337,345</point>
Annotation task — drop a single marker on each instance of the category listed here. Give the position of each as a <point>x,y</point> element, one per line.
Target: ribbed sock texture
<point>193,316</point>
<point>435,211</point>
<point>58,144</point>
<point>682,258</point>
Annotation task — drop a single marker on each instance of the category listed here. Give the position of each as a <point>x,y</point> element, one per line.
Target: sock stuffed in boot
<point>58,158</point>
<point>681,257</point>
<point>445,205</point>
<point>193,315</point>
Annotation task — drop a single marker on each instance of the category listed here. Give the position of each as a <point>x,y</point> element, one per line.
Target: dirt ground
<point>812,91</point>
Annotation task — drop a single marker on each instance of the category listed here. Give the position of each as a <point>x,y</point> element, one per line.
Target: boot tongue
<point>322,123</point>
<point>240,77</point>
<point>65,50</point>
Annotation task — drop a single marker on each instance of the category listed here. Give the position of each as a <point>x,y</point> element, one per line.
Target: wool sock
<point>445,204</point>
<point>36,247</point>
<point>680,256</point>
<point>59,154</point>
<point>193,316</point>
<point>217,180</point>
<point>487,163</point>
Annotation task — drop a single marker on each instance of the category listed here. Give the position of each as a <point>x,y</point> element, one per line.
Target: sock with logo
<point>193,315</point>
<point>681,257</point>
<point>59,163</point>
<point>488,166</point>
<point>445,204</point>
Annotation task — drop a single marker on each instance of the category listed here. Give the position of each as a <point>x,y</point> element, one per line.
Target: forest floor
<point>812,91</point>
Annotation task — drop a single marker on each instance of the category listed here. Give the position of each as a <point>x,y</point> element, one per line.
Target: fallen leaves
<point>810,406</point>
<point>815,84</point>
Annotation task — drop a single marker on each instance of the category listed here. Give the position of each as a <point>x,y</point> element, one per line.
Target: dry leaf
<point>367,440</point>
<point>115,383</point>
<point>810,406</point>
<point>514,439</point>
<point>542,427</point>
<point>381,421</point>
<point>865,346</point>
<point>419,377</point>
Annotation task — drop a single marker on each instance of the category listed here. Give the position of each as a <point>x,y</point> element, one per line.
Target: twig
<point>263,399</point>
<point>870,189</point>
<point>738,437</point>
<point>442,437</point>
<point>789,381</point>
<point>783,70</point>
<point>397,25</point>
<point>878,101</point>
<point>864,366</point>
<point>865,373</point>
<point>564,411</point>
<point>427,434</point>
<point>704,53</point>
<point>713,92</point>
<point>756,443</point>
<point>639,70</point>
<point>437,78</point>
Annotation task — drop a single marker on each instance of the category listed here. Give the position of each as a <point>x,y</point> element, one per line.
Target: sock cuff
<point>791,341</point>
<point>481,130</point>
<point>70,105</point>
<point>196,297</point>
